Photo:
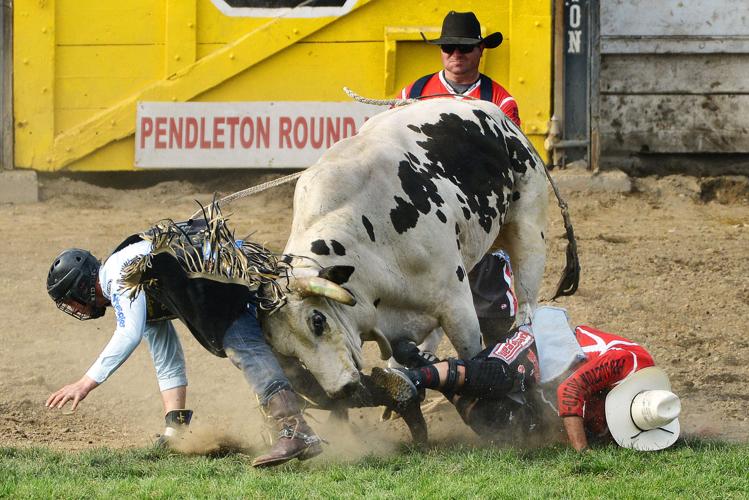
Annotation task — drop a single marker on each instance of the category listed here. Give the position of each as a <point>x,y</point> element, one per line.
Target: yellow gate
<point>81,66</point>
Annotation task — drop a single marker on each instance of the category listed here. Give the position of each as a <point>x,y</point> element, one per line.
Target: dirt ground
<point>666,265</point>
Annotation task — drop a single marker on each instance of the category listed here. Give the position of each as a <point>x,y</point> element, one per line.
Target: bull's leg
<point>461,324</point>
<point>368,395</point>
<point>432,342</point>
<point>524,241</point>
<point>427,349</point>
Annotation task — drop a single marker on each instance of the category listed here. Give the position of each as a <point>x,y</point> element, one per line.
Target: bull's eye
<point>318,322</point>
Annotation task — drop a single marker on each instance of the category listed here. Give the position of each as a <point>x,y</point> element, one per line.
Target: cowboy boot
<point>176,422</point>
<point>296,439</point>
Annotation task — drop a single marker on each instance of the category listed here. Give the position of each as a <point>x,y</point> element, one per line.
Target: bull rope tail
<point>283,180</point>
<point>377,102</point>
<point>253,190</point>
<point>570,279</point>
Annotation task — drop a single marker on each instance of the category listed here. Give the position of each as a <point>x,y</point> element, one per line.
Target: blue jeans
<point>247,349</point>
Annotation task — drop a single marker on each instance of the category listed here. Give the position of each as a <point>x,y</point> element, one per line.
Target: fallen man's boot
<point>177,422</point>
<point>397,386</point>
<point>296,439</point>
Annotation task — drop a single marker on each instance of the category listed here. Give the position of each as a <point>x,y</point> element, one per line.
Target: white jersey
<point>131,316</point>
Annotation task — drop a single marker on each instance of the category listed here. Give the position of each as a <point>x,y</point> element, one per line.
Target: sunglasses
<point>463,49</point>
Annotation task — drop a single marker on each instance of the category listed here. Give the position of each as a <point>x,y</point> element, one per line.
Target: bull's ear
<point>337,274</point>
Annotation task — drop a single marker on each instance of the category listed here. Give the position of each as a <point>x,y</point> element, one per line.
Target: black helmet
<point>73,276</point>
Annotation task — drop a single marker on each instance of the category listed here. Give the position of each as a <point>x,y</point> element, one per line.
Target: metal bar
<point>594,98</point>
<point>558,82</point>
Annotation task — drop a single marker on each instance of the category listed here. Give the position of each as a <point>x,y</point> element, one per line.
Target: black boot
<point>177,422</point>
<point>398,388</point>
<point>296,439</point>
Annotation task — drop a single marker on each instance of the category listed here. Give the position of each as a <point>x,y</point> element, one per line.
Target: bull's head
<point>321,325</point>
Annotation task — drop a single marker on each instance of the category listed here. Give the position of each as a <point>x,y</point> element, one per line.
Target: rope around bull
<point>288,178</point>
<point>568,283</point>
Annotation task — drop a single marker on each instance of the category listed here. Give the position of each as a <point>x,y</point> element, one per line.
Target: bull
<point>387,224</point>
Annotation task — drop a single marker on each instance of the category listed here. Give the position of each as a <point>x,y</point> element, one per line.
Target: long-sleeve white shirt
<point>131,316</point>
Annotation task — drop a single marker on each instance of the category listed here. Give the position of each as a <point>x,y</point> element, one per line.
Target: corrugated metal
<point>82,65</point>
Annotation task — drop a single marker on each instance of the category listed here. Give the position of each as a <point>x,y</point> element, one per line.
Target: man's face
<point>84,311</point>
<point>458,61</point>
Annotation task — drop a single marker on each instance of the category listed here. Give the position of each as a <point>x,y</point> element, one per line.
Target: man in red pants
<point>613,391</point>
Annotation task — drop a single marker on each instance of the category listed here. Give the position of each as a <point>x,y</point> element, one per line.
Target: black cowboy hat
<point>463,28</point>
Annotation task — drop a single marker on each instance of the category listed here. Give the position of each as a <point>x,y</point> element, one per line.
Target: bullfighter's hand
<point>75,392</point>
<point>576,432</point>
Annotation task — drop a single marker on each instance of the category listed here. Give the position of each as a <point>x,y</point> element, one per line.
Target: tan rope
<point>254,189</point>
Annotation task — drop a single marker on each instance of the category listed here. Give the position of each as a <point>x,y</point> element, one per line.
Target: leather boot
<point>296,439</point>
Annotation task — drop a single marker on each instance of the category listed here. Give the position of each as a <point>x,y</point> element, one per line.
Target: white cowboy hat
<point>642,412</point>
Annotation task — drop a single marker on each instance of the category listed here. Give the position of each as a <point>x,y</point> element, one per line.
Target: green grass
<point>692,469</point>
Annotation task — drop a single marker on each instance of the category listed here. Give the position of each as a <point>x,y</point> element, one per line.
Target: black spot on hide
<point>337,274</point>
<point>458,242</point>
<point>461,274</point>
<point>377,302</point>
<point>319,247</point>
<point>441,216</point>
<point>368,227</point>
<point>414,128</point>
<point>515,196</point>
<point>542,235</point>
<point>338,248</point>
<point>470,155</point>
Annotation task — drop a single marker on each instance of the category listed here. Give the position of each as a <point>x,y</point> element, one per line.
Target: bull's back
<point>428,178</point>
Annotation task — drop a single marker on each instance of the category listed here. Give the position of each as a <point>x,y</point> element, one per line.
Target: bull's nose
<point>346,391</point>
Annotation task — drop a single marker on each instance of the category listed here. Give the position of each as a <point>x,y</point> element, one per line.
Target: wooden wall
<point>674,77</point>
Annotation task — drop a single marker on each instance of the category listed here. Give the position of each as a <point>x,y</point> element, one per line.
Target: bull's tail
<point>570,278</point>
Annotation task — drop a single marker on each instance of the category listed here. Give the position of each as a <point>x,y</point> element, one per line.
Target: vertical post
<point>557,113</point>
<point>576,77</point>
<point>594,148</point>
<point>6,93</point>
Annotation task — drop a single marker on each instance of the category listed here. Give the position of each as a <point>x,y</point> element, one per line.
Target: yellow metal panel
<point>94,92</point>
<point>129,22</point>
<point>494,16</point>
<point>284,76</point>
<point>180,35</point>
<point>34,79</point>
<point>110,55</point>
<point>66,119</point>
<point>204,49</point>
<point>119,121</point>
<point>115,61</point>
<point>530,73</point>
<point>118,155</point>
<point>215,27</point>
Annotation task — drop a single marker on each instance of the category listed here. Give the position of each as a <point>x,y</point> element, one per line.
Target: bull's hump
<point>466,151</point>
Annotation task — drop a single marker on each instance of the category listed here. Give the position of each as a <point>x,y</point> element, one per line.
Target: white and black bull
<point>399,214</point>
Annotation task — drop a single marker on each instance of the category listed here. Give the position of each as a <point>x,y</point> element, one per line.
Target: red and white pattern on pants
<point>517,352</point>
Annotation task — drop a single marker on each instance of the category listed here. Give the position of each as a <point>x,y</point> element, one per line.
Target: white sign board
<point>243,134</point>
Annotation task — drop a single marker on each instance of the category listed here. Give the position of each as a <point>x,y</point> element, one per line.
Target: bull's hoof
<point>416,423</point>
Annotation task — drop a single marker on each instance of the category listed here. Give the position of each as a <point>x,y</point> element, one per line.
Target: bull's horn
<point>386,351</point>
<point>313,285</point>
